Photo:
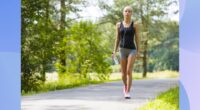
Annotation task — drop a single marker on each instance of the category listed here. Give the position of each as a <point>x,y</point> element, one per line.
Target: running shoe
<point>127,95</point>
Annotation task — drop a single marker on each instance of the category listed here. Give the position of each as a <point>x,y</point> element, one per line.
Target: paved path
<point>107,96</point>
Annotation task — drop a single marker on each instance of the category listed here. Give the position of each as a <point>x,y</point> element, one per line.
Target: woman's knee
<point>124,74</point>
<point>129,72</point>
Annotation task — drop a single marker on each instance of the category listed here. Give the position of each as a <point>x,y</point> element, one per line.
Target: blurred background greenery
<point>74,40</point>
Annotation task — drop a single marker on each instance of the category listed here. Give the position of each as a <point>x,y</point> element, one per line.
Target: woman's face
<point>127,12</point>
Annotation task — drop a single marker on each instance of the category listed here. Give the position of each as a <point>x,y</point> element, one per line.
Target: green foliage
<point>30,82</point>
<point>42,41</point>
<point>115,68</point>
<point>87,51</point>
<point>144,11</point>
<point>163,50</point>
<point>36,33</point>
<point>114,11</point>
<point>60,68</point>
<point>166,101</point>
<point>84,47</point>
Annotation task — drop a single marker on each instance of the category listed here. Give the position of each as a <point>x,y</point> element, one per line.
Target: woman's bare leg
<point>123,62</point>
<point>130,62</point>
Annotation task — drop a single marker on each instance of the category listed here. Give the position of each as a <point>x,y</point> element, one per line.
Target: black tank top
<point>127,36</point>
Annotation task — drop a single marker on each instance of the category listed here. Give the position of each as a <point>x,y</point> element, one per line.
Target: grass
<point>67,81</point>
<point>163,74</point>
<point>71,81</point>
<point>165,101</point>
<point>59,85</point>
<point>150,75</point>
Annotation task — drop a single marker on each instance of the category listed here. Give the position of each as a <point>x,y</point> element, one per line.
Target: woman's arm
<point>137,38</point>
<point>117,39</point>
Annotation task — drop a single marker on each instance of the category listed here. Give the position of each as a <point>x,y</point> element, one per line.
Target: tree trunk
<point>145,28</point>
<point>62,28</point>
<point>145,60</point>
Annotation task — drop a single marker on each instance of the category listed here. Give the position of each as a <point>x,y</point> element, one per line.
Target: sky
<point>93,12</point>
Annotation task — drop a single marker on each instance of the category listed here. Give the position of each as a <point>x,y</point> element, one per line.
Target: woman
<point>127,35</point>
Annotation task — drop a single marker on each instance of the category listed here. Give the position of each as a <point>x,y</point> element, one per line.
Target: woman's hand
<point>113,55</point>
<point>138,54</point>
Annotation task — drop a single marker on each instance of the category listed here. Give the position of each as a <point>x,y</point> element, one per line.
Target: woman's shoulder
<point>136,24</point>
<point>118,24</point>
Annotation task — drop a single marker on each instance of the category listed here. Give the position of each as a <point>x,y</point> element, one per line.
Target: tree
<point>164,49</point>
<point>87,51</point>
<point>66,8</point>
<point>42,39</point>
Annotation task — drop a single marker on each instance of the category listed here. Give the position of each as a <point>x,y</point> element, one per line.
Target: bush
<point>30,82</point>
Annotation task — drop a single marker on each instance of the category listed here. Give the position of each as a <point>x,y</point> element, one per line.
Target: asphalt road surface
<point>107,96</point>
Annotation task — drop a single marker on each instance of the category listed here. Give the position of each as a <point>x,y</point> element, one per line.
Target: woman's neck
<point>127,20</point>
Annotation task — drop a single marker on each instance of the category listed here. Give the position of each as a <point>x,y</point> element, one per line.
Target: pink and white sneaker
<point>127,95</point>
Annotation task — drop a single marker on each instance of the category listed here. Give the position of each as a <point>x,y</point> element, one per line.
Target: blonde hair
<point>129,7</point>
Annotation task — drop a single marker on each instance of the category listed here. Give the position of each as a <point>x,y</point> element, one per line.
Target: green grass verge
<point>165,101</point>
<point>150,75</point>
<point>67,81</point>
<point>71,81</point>
<point>59,86</point>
